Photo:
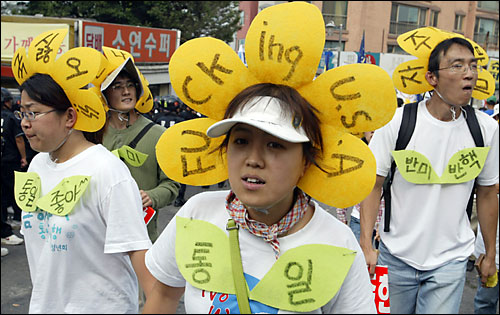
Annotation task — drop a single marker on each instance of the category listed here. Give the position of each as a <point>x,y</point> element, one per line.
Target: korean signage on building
<point>144,43</point>
<point>16,35</point>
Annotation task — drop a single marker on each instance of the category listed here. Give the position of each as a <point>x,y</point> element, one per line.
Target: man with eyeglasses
<point>429,239</point>
<point>122,89</point>
<point>13,159</point>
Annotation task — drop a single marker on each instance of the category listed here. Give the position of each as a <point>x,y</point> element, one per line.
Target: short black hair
<point>43,89</point>
<point>435,57</point>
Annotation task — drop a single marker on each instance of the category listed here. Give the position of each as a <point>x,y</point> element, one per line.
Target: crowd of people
<point>87,203</point>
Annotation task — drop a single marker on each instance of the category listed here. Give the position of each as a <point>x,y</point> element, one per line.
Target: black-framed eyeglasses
<point>30,116</point>
<point>121,86</point>
<point>462,68</point>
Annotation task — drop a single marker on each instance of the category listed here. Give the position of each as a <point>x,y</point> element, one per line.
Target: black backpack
<point>405,132</point>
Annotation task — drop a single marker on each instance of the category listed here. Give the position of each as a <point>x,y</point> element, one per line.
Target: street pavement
<point>16,283</point>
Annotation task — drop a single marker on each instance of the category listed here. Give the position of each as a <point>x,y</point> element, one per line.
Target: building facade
<point>384,21</point>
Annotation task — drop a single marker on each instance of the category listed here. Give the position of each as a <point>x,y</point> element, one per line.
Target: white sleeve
<point>160,258</point>
<point>489,173</point>
<point>122,211</point>
<point>356,293</point>
<point>384,141</point>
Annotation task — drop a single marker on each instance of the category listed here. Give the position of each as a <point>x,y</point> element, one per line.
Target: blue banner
<point>361,54</point>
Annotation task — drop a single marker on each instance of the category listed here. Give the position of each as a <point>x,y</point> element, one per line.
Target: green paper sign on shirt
<point>26,190</point>
<point>59,201</point>
<point>465,165</point>
<point>303,279</point>
<point>131,156</point>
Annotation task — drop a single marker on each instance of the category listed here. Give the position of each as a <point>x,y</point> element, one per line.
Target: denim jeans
<point>486,299</point>
<point>355,227</point>
<point>413,291</point>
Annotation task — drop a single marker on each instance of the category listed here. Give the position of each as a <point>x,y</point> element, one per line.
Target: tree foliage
<point>219,19</point>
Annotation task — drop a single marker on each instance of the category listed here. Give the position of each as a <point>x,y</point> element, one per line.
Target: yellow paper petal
<point>465,165</point>
<point>145,103</point>
<point>90,111</point>
<point>132,156</point>
<point>420,42</point>
<point>415,167</point>
<point>485,85</point>
<point>62,199</point>
<point>27,188</point>
<point>97,91</point>
<point>104,70</point>
<point>304,278</point>
<point>43,50</point>
<point>20,67</point>
<point>354,98</point>
<point>77,67</point>
<point>187,155</point>
<point>409,77</point>
<point>207,74</point>
<point>202,255</point>
<point>479,53</point>
<point>284,43</point>
<point>351,171</point>
<point>116,56</point>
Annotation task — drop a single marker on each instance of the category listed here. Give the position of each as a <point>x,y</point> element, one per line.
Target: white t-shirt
<point>429,225</point>
<point>79,262</point>
<point>354,296</point>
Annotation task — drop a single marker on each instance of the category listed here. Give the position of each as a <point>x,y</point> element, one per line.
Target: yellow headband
<point>207,74</point>
<point>115,59</point>
<point>73,71</point>
<point>409,77</point>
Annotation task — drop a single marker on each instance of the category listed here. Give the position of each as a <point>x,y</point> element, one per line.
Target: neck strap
<point>237,267</point>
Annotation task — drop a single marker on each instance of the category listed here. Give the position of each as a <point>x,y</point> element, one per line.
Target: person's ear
<point>431,78</point>
<point>307,163</point>
<point>71,117</point>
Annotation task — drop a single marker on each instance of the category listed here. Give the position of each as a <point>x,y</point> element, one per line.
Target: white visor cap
<point>129,67</point>
<point>266,114</point>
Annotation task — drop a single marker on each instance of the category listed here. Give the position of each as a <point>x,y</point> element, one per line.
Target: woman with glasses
<point>82,214</point>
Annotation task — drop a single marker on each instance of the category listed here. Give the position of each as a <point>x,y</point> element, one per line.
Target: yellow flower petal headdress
<point>116,60</point>
<point>73,71</point>
<point>409,77</point>
<point>207,74</point>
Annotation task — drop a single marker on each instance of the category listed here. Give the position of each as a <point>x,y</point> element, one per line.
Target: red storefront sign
<point>144,43</point>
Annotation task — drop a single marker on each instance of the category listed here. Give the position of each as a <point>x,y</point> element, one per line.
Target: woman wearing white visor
<point>282,139</point>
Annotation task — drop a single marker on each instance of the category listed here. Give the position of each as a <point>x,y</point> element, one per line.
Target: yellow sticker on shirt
<point>202,255</point>
<point>304,278</point>
<point>27,189</point>
<point>132,156</point>
<point>465,165</point>
<point>62,199</point>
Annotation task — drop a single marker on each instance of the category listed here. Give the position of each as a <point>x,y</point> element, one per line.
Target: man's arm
<point>146,280</point>
<point>22,150</point>
<point>163,299</point>
<point>163,194</point>
<point>368,216</point>
<point>487,213</point>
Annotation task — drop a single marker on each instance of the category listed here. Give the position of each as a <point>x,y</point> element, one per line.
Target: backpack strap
<point>473,124</point>
<point>139,136</point>
<point>477,135</point>
<point>404,135</point>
